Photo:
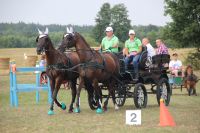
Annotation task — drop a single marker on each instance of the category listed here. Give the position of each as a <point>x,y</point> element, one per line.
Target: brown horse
<point>190,80</point>
<point>96,67</point>
<point>57,65</point>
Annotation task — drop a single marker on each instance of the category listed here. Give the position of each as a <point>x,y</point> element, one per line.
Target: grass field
<point>32,117</point>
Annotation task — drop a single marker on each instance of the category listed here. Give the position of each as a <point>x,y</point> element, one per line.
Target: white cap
<point>109,29</point>
<point>131,32</point>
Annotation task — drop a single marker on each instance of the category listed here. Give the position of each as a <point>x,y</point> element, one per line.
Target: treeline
<point>22,35</point>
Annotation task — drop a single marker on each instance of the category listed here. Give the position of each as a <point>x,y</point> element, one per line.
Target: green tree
<point>117,17</point>
<point>185,27</point>
<point>184,30</point>
<point>23,35</point>
<point>120,21</point>
<point>102,20</point>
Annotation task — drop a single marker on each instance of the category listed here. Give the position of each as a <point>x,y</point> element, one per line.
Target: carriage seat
<point>161,61</point>
<point>142,60</point>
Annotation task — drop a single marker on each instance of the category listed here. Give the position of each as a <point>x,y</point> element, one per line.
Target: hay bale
<point>30,61</point>
<point>4,63</point>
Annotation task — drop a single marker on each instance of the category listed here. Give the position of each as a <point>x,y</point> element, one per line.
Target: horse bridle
<point>43,48</point>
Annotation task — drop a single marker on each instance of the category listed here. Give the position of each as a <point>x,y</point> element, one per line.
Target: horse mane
<point>81,37</point>
<point>61,57</point>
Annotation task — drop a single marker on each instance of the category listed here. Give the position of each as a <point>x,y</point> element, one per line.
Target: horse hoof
<point>105,109</point>
<point>50,112</point>
<point>63,106</point>
<point>77,110</point>
<point>99,111</point>
<point>70,111</point>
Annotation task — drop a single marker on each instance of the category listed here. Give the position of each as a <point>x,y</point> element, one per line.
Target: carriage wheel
<point>140,96</point>
<point>163,91</point>
<point>93,101</point>
<point>120,95</point>
<point>43,78</point>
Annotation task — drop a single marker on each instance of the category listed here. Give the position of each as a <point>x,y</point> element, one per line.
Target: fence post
<point>15,95</point>
<point>11,84</point>
<point>16,88</point>
<point>49,92</point>
<point>37,83</point>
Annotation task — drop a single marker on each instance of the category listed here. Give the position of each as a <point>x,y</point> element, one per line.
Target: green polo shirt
<point>133,45</point>
<point>108,43</point>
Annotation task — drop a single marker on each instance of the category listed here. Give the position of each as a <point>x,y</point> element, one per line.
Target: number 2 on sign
<point>133,117</point>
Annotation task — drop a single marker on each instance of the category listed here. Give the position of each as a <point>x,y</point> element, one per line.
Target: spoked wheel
<point>43,78</point>
<point>120,95</point>
<point>163,91</point>
<point>140,96</point>
<point>93,101</point>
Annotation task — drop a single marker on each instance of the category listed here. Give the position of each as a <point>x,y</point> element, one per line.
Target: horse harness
<point>62,66</point>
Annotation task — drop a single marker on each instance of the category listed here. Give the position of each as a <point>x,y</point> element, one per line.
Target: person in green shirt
<point>132,50</point>
<point>110,41</point>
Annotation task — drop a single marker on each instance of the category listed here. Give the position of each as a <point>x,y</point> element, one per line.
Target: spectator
<point>150,49</point>
<point>175,66</point>
<point>42,61</point>
<point>161,47</point>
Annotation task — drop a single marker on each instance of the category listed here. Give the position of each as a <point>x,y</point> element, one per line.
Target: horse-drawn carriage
<point>152,72</point>
<point>106,68</point>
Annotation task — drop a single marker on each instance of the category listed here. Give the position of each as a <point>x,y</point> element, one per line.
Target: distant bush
<point>194,59</point>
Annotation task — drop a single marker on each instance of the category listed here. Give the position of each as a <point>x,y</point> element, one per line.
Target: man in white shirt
<point>150,49</point>
<point>175,65</point>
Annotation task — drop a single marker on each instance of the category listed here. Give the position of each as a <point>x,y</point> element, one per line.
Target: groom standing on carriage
<point>110,41</point>
<point>132,51</point>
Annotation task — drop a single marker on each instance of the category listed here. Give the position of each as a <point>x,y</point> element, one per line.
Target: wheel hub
<point>140,94</point>
<point>164,91</point>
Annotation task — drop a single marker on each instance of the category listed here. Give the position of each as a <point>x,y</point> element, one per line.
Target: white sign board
<point>133,117</point>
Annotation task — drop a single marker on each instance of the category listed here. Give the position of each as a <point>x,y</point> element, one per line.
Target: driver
<point>110,41</point>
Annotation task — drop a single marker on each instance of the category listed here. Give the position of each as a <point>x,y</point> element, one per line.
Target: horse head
<point>69,39</point>
<point>189,70</point>
<point>42,41</point>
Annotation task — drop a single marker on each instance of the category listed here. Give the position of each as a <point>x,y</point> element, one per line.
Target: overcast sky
<point>79,12</point>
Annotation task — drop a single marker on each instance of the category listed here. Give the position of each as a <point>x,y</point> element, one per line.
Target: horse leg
<point>106,101</point>
<point>112,90</point>
<point>52,84</point>
<point>189,87</point>
<point>98,94</point>
<point>193,86</point>
<point>81,82</point>
<point>57,87</point>
<point>73,89</point>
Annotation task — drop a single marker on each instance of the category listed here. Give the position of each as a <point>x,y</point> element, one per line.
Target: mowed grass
<point>32,117</point>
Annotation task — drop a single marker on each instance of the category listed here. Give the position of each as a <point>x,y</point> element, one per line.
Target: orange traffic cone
<point>165,117</point>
